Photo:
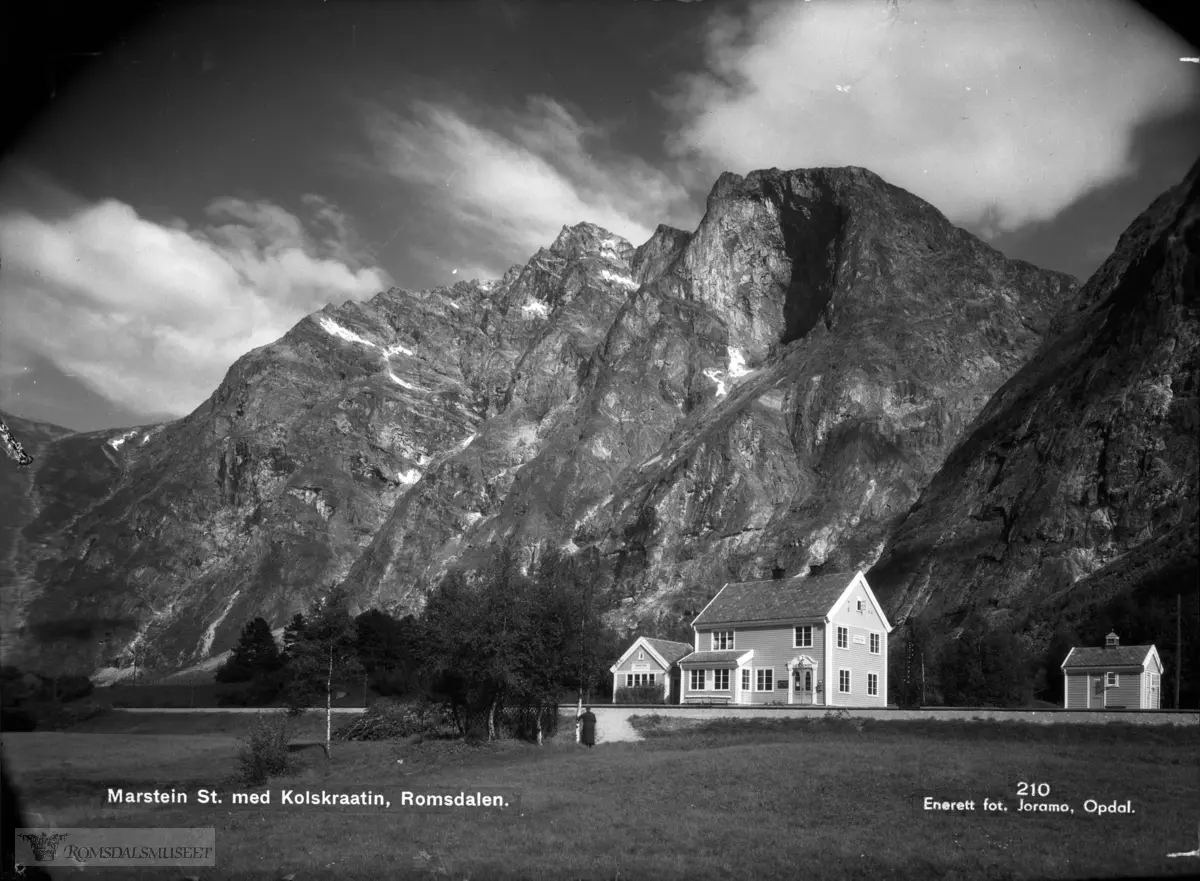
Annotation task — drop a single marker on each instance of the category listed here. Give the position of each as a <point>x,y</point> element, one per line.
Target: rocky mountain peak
<point>589,240</point>
<point>767,393</point>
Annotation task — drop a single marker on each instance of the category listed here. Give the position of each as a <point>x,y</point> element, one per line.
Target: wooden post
<point>1178,644</point>
<point>329,702</point>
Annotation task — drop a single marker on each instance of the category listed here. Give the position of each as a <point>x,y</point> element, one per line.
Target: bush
<point>63,717</point>
<point>641,694</point>
<point>16,719</point>
<point>264,752</point>
<point>388,720</point>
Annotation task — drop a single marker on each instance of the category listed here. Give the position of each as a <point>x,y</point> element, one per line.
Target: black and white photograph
<point>600,440</point>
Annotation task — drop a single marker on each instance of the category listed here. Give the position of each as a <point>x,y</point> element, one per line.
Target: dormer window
<point>722,640</point>
<point>1111,641</point>
<point>641,656</point>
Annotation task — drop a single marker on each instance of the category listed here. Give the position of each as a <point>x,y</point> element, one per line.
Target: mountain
<point>1077,483</point>
<point>764,396</point>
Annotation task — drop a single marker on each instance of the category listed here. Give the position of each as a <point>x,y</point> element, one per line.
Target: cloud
<point>497,189</point>
<point>997,112</point>
<point>152,314</point>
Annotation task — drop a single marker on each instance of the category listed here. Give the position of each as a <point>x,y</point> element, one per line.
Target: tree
<point>255,654</point>
<point>388,650</point>
<point>293,633</point>
<point>1061,642</point>
<point>323,650</point>
<point>500,639</point>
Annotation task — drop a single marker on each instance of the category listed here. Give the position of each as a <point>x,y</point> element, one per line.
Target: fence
<point>516,722</point>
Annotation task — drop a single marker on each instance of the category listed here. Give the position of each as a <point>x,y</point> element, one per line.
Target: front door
<point>803,683</point>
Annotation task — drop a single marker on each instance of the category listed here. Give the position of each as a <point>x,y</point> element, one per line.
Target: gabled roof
<point>664,651</point>
<point>723,658</point>
<point>782,600</point>
<point>1113,656</point>
<point>670,651</point>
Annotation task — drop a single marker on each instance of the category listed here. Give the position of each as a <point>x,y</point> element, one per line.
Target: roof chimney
<point>1110,641</point>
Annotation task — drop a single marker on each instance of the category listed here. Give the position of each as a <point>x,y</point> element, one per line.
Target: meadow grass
<point>729,798</point>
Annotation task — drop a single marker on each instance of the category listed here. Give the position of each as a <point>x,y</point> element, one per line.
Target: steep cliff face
<point>763,396</point>
<point>771,399</point>
<point>1079,477</point>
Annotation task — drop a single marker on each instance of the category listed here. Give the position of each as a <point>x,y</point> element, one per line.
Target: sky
<point>218,171</point>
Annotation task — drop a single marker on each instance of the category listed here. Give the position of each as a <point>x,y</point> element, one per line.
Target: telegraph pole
<point>1178,644</point>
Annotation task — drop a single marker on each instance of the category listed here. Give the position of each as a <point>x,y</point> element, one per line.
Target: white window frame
<point>1112,680</point>
<point>641,655</point>
<point>746,679</point>
<point>797,641</point>
<point>759,679</point>
<point>717,677</point>
<point>719,645</point>
<point>860,605</point>
<point>843,637</point>
<point>848,680</point>
<point>640,680</point>
<point>875,643</point>
<point>873,684</point>
<point>692,679</point>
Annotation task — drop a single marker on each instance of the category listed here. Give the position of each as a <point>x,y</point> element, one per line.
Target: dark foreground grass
<point>743,799</point>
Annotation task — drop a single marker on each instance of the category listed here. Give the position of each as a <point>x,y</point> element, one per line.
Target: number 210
<point>1037,790</point>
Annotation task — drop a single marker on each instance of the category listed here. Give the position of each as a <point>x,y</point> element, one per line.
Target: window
<point>843,636</point>
<point>637,680</point>
<point>874,643</point>
<point>764,679</point>
<point>844,681</point>
<point>641,655</point>
<point>860,605</point>
<point>803,639</point>
<point>746,679</point>
<point>697,680</point>
<point>721,680</point>
<point>1112,680</point>
<point>1152,700</point>
<point>873,683</point>
<point>722,640</point>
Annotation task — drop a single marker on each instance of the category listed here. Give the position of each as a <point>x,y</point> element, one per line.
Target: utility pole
<point>1178,644</point>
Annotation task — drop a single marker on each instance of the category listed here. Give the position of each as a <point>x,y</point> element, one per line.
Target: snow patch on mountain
<point>737,363</point>
<point>400,382</point>
<point>332,328</point>
<point>206,640</point>
<point>615,278</point>
<point>120,439</point>
<point>408,477</point>
<point>397,349</point>
<point>716,378</point>
<point>536,307</point>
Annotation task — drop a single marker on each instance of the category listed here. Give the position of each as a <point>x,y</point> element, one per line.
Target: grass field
<point>741,799</point>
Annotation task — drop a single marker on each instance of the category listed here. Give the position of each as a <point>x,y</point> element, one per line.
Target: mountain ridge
<point>765,394</point>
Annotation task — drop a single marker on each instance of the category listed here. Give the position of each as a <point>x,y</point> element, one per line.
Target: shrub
<point>264,752</point>
<point>641,694</point>
<point>16,719</point>
<point>388,720</point>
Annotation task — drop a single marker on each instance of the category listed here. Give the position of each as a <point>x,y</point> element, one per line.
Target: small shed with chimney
<point>1113,677</point>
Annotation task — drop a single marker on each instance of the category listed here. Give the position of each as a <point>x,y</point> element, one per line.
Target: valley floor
<point>839,798</point>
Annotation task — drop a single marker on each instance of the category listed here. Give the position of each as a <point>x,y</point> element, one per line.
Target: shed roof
<point>724,658</point>
<point>784,599</point>
<point>670,651</point>
<point>1108,656</point>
